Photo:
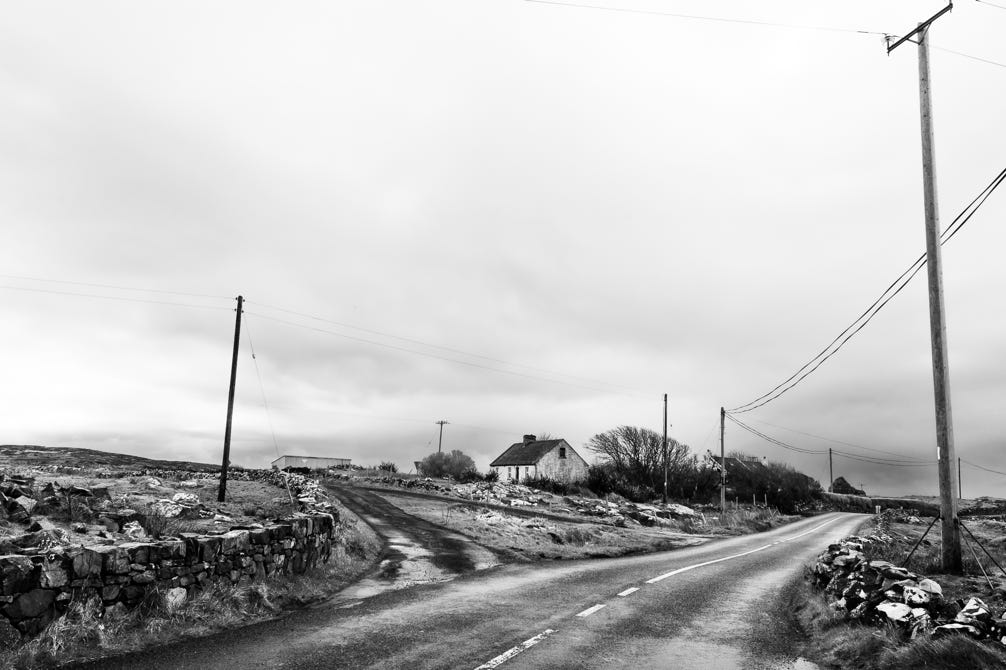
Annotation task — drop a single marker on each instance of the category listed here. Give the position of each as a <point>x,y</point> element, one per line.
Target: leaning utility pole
<point>440,442</point>
<point>951,554</point>
<point>230,404</point>
<point>831,474</point>
<point>665,448</point>
<point>723,464</point>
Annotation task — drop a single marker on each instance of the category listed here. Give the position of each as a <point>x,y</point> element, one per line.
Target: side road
<point>709,606</point>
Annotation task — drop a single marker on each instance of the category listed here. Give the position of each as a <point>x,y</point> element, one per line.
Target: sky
<point>517,217</point>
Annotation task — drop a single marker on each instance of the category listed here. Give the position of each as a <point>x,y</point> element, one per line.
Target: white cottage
<point>531,457</point>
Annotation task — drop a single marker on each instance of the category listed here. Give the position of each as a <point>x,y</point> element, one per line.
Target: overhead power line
<point>982,467</point>
<point>828,439</point>
<point>860,322</point>
<point>117,287</point>
<point>716,19</point>
<point>410,340</point>
<point>444,358</point>
<point>992,4</point>
<point>114,297</point>
<point>893,462</point>
<point>755,22</point>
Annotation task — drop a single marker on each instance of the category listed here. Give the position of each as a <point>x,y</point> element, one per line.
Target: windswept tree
<point>637,455</point>
<point>444,464</point>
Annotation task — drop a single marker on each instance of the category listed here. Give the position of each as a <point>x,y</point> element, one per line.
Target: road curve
<point>714,607</point>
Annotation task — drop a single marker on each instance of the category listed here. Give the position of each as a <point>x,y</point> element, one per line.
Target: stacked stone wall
<point>37,588</point>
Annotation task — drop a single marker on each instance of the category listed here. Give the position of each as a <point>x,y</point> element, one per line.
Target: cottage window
<point>527,471</point>
<point>562,452</point>
<point>509,475</point>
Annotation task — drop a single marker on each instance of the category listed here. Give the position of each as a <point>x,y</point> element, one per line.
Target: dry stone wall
<point>35,589</point>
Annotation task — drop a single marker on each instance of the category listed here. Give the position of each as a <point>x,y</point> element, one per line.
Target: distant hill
<point>12,455</point>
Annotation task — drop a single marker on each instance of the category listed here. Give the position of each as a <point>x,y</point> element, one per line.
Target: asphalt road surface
<point>715,606</point>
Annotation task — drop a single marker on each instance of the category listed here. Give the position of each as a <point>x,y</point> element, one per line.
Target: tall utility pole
<point>665,447</point>
<point>831,474</point>
<point>951,554</point>
<point>960,482</point>
<point>230,404</point>
<point>440,442</point>
<point>723,463</point>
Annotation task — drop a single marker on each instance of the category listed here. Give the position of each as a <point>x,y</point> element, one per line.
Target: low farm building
<point>532,457</point>
<point>309,462</point>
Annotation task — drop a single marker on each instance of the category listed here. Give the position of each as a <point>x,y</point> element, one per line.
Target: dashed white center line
<point>590,610</point>
<point>510,653</point>
<point>727,558</point>
<point>628,591</point>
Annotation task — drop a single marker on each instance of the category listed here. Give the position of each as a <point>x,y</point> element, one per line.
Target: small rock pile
<point>880,593</point>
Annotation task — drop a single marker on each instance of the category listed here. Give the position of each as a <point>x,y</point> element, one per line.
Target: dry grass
<point>540,538</point>
<point>87,632</point>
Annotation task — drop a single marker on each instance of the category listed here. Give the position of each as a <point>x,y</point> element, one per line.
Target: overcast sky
<point>521,217</point>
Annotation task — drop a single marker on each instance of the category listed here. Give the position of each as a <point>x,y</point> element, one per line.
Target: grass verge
<point>88,632</point>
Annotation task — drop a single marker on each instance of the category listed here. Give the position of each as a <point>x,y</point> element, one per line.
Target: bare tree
<point>638,453</point>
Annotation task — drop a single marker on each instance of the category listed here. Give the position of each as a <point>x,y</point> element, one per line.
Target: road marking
<point>590,610</point>
<point>727,558</point>
<point>807,532</point>
<point>628,591</point>
<point>510,653</point>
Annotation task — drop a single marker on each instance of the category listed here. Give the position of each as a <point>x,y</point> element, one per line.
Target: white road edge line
<point>628,591</point>
<point>590,610</point>
<point>727,558</point>
<point>510,653</point>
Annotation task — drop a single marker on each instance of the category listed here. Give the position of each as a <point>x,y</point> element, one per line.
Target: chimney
<point>528,439</point>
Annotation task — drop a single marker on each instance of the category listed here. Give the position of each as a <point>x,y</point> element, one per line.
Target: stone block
<point>172,550</point>
<point>17,574</point>
<point>234,542</point>
<point>281,531</point>
<point>209,548</point>
<point>139,552</point>
<point>143,577</point>
<point>111,592</point>
<point>9,635</point>
<point>30,605</point>
<point>114,560</point>
<point>260,536</point>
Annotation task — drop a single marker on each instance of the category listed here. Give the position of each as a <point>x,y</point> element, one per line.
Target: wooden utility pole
<point>960,482</point>
<point>723,463</point>
<point>221,494</point>
<point>951,553</point>
<point>665,447</point>
<point>440,442</point>
<point>831,474</point>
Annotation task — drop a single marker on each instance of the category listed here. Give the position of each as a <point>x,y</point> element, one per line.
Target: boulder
<point>174,599</point>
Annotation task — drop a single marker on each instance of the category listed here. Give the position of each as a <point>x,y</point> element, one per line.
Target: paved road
<point>714,607</point>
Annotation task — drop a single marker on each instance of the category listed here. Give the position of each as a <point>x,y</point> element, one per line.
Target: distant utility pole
<point>951,554</point>
<point>831,474</point>
<point>723,463</point>
<point>230,404</point>
<point>665,447</point>
<point>440,442</point>
<point>960,482</point>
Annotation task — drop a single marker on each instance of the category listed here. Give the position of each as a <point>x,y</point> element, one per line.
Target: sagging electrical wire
<point>888,294</point>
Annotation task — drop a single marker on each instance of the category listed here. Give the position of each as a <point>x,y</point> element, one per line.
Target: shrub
<point>469,476</point>
<point>492,476</point>
<point>443,464</point>
<point>387,466</point>
<point>547,484</point>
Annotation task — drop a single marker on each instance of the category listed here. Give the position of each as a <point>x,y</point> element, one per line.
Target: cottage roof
<point>521,453</point>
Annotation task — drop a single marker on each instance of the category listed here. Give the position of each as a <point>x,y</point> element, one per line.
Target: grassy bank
<point>87,632</point>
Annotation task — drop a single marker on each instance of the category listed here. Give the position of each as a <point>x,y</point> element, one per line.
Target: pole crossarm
<point>922,26</point>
